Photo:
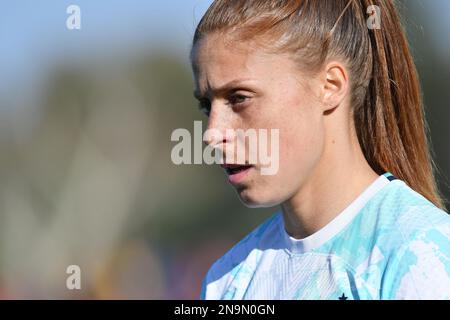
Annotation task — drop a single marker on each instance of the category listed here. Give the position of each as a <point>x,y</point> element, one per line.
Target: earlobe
<point>335,85</point>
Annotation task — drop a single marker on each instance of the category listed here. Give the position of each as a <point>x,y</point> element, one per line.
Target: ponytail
<point>390,123</point>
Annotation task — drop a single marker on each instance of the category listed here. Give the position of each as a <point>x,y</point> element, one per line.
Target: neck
<point>340,176</point>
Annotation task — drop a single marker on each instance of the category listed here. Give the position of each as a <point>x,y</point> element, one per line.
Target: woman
<point>361,217</point>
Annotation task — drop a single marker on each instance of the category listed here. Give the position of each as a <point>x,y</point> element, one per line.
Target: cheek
<point>300,123</point>
<point>301,142</point>
<point>300,149</point>
<point>301,145</point>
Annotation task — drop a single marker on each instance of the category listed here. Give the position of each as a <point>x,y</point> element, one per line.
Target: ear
<point>334,85</point>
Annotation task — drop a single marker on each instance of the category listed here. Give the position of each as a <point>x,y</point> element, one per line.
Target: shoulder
<point>239,257</point>
<point>418,234</point>
<point>404,210</point>
<point>420,267</point>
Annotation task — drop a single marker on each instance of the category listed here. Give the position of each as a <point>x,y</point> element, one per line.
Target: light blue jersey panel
<point>389,243</point>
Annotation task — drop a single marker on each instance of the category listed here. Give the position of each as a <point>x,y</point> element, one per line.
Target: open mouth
<point>235,168</point>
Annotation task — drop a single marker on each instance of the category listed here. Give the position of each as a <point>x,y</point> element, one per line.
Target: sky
<point>33,35</point>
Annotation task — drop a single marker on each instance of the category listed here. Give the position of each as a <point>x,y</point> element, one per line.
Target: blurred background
<point>86,176</point>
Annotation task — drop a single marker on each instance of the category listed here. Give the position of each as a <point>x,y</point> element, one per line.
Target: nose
<point>217,137</point>
<point>220,140</point>
<point>219,130</point>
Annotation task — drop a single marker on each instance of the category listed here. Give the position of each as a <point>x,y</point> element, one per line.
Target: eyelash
<point>205,105</point>
<point>237,96</point>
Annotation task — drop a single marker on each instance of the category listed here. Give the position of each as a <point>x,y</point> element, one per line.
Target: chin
<point>253,199</point>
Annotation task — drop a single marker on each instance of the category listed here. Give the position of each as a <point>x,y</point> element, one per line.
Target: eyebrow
<point>226,87</point>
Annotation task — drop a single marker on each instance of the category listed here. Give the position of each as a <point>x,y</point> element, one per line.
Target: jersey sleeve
<point>420,269</point>
<point>213,283</point>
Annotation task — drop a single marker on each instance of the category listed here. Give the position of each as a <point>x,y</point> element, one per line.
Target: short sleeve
<point>420,269</point>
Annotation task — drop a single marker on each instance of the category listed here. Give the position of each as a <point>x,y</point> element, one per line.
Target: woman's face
<point>241,86</point>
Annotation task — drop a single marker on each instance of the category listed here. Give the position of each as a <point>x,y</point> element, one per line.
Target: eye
<point>237,99</point>
<point>205,106</point>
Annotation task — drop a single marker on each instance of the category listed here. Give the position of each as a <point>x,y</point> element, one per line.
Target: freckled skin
<point>281,97</point>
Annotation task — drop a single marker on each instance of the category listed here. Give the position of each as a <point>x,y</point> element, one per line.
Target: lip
<point>234,176</point>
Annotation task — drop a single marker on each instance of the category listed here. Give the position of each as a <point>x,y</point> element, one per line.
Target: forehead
<point>218,59</point>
